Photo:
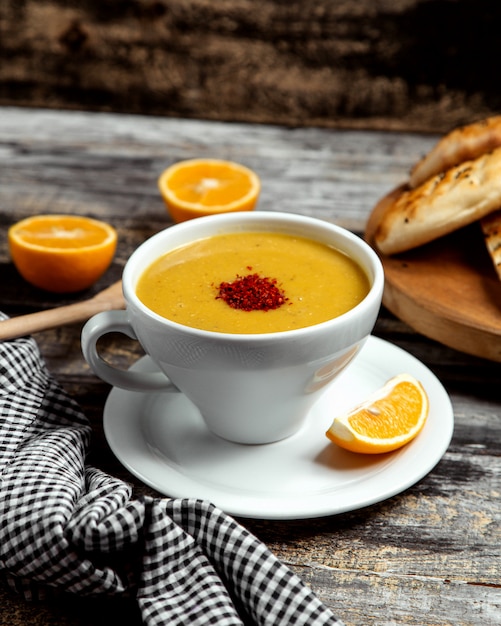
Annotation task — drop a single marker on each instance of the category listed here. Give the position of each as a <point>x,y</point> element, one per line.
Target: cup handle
<point>117,321</point>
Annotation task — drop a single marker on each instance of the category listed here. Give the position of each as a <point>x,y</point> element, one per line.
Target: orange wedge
<point>200,187</point>
<point>387,420</point>
<point>61,253</point>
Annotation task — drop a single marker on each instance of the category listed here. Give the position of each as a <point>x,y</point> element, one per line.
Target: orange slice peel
<point>61,253</point>
<point>387,420</point>
<point>200,187</point>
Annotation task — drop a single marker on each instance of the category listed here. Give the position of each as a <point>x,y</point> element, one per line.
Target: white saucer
<point>162,440</point>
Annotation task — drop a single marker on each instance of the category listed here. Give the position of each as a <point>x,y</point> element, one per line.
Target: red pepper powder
<point>252,293</point>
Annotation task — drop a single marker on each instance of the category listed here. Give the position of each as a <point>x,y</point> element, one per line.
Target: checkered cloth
<point>70,527</point>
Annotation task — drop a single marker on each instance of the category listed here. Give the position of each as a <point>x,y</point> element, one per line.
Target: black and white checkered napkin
<point>70,527</point>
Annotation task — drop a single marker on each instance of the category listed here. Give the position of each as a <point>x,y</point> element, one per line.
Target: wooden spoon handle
<point>106,300</point>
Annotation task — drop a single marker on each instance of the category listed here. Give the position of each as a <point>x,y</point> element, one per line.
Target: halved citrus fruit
<point>199,187</point>
<point>387,420</point>
<point>62,253</point>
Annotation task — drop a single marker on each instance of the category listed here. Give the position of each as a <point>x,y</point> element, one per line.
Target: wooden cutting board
<point>447,290</point>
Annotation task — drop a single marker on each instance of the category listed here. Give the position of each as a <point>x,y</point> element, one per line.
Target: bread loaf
<point>491,228</point>
<point>457,197</point>
<point>462,144</point>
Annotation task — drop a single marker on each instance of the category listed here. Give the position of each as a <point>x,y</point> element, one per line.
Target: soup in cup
<point>250,315</point>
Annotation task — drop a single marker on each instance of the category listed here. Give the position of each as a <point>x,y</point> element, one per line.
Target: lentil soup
<point>252,282</point>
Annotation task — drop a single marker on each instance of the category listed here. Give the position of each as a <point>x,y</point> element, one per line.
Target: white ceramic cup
<point>254,388</point>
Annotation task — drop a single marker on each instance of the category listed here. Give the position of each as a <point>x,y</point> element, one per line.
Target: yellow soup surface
<point>192,284</point>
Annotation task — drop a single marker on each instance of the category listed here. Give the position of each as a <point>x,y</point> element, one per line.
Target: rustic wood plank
<point>401,64</point>
<point>427,556</point>
<point>109,165</point>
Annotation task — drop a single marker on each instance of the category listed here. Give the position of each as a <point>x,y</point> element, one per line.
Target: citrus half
<point>61,253</point>
<point>199,187</point>
<point>387,420</point>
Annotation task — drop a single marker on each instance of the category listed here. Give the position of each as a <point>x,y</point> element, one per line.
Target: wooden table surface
<point>427,556</point>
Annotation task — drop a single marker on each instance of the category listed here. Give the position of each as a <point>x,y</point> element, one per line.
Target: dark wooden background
<point>423,65</point>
